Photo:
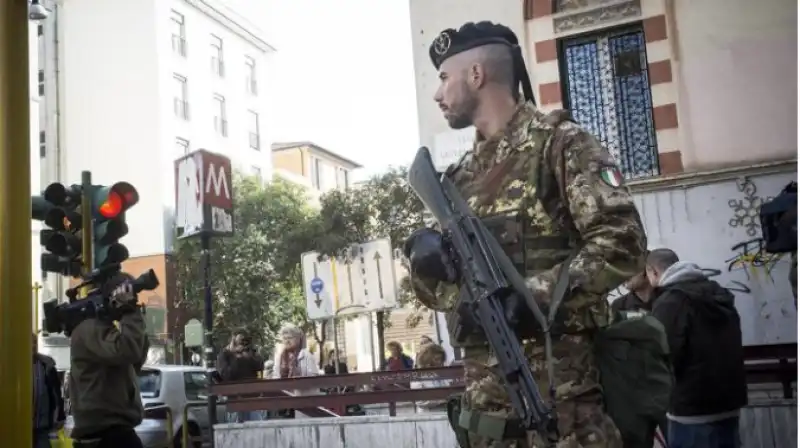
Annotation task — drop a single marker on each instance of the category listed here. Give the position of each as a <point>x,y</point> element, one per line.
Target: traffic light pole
<point>87,237</point>
<point>16,312</point>
<point>208,317</point>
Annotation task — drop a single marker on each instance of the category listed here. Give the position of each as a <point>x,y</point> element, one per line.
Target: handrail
<point>259,386</point>
<point>306,401</point>
<point>185,422</point>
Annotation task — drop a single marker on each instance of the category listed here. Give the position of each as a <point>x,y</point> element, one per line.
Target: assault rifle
<point>487,279</point>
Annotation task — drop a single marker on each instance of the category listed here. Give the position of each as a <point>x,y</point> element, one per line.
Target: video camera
<point>65,317</point>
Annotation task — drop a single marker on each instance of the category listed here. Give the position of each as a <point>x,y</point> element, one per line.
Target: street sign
<point>203,195</point>
<point>363,281</point>
<point>449,146</point>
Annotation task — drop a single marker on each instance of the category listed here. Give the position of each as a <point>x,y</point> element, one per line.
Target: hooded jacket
<point>705,339</point>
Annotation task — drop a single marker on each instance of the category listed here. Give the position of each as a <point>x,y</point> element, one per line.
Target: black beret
<point>471,35</point>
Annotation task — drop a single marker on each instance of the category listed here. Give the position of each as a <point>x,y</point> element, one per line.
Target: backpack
<point>635,373</point>
<point>779,221</point>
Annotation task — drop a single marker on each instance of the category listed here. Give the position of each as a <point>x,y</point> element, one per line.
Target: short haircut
<point>394,344</point>
<point>498,61</point>
<point>661,259</point>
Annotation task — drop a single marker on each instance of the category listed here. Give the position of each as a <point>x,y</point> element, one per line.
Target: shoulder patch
<point>612,176</point>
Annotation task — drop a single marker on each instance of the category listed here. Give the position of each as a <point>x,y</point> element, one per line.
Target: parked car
<point>172,386</point>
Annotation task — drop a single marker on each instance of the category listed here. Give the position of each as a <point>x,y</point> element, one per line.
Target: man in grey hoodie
<point>705,339</point>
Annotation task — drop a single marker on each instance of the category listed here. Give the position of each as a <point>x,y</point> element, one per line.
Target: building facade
<point>679,101</point>
<point>129,87</point>
<point>312,166</point>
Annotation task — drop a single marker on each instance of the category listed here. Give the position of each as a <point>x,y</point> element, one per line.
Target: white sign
<point>449,146</point>
<point>189,207</point>
<point>363,281</point>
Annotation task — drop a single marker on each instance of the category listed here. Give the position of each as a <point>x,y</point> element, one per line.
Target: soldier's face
<point>455,97</point>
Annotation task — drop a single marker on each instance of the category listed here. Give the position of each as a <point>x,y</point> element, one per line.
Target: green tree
<point>255,274</point>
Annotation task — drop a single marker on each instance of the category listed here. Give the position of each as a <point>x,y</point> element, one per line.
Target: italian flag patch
<point>611,176</point>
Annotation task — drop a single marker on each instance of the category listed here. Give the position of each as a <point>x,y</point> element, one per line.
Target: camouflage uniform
<point>582,207</point>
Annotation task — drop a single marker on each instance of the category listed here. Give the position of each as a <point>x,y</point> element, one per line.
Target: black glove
<point>427,255</point>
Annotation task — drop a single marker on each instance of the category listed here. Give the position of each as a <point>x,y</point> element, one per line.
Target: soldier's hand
<point>123,297</point>
<point>427,255</point>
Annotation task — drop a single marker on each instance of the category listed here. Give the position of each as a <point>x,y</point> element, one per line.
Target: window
<point>42,144</point>
<point>316,173</point>
<point>252,127</point>
<point>39,30</point>
<point>41,82</point>
<point>342,178</point>
<point>195,384</point>
<point>256,171</point>
<point>250,77</point>
<point>149,383</point>
<point>607,89</point>
<point>217,62</point>
<point>220,122</point>
<point>182,146</point>
<point>180,95</point>
<point>178,34</point>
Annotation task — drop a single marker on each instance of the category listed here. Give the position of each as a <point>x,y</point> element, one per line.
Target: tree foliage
<point>256,279</point>
<point>255,275</point>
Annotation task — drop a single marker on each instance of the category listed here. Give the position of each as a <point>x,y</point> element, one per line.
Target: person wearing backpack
<point>705,341</point>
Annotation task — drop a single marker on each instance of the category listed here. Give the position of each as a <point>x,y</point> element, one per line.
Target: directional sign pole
<point>334,319</point>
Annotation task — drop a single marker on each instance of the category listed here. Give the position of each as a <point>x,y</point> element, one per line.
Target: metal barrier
<point>163,412</point>
<point>185,423</point>
<point>273,394</point>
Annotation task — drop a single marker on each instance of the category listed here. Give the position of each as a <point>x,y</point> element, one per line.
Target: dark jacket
<point>629,302</point>
<point>705,340</point>
<point>103,380</point>
<point>53,383</point>
<point>236,368</point>
<point>405,360</point>
<point>330,369</point>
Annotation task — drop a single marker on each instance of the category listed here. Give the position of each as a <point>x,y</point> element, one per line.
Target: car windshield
<point>149,383</point>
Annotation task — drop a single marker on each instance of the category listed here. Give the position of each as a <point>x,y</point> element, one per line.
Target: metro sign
<point>203,195</point>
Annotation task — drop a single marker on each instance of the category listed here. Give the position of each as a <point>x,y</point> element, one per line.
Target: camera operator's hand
<point>123,298</point>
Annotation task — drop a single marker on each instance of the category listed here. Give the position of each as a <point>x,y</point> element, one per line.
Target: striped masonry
<point>546,78</point>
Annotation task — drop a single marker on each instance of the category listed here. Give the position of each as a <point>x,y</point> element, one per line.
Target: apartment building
<point>679,99</point>
<point>318,169</point>
<point>128,87</point>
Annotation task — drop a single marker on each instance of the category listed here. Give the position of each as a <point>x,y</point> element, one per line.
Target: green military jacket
<point>546,189</point>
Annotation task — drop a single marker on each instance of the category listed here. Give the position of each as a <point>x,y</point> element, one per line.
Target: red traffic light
<point>116,199</point>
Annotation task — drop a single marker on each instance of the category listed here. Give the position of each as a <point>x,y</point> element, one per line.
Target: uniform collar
<point>511,137</point>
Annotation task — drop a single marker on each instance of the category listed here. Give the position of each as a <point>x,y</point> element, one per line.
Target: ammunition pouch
<point>509,231</point>
<point>453,415</point>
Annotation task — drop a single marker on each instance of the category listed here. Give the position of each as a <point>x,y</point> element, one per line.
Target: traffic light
<point>109,204</point>
<point>59,209</point>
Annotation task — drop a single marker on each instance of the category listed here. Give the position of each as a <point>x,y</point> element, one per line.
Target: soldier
<point>552,196</point>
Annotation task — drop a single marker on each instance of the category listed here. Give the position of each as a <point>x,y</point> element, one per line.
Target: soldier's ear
<point>476,76</point>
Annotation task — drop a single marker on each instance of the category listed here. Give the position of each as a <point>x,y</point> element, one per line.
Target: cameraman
<point>104,361</point>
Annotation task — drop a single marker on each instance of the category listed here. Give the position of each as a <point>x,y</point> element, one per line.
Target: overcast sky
<point>346,78</point>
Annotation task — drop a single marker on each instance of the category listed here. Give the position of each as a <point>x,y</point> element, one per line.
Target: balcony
<point>221,126</point>
<point>181,108</point>
<point>179,45</point>
<point>255,141</point>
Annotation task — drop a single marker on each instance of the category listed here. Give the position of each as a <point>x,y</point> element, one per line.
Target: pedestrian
<point>397,359</point>
<point>48,401</point>
<point>557,201</point>
<point>705,340</point>
<point>425,340</point>
<point>430,356</point>
<point>294,361</point>
<point>636,301</point>
<point>240,361</point>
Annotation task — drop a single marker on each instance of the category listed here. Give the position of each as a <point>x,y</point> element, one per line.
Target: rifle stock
<point>488,277</point>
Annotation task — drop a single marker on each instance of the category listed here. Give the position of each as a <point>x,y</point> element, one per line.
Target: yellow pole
<point>16,387</point>
<point>36,288</point>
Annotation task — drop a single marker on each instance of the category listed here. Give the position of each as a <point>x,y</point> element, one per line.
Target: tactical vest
<point>528,231</point>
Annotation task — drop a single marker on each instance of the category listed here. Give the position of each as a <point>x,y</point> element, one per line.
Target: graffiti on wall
<point>753,262</point>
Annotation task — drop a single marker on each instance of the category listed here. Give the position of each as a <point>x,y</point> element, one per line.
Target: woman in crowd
<point>294,361</point>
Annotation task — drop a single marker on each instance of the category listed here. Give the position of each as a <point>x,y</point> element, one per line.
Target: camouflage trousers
<point>582,420</point>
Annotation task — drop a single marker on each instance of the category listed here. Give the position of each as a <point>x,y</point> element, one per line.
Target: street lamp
<point>37,12</point>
